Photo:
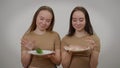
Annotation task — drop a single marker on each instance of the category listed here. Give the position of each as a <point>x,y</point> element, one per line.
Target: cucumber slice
<point>38,50</point>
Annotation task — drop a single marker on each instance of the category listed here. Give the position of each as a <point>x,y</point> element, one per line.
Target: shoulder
<point>65,38</point>
<point>27,35</point>
<point>95,37</point>
<point>54,33</point>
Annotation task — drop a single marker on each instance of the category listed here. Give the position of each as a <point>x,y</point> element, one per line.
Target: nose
<point>78,22</point>
<point>43,22</point>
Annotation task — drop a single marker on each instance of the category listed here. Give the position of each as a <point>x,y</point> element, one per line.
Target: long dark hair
<point>33,25</point>
<point>88,27</point>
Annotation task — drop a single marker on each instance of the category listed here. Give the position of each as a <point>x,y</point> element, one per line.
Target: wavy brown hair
<point>33,25</point>
<point>88,27</point>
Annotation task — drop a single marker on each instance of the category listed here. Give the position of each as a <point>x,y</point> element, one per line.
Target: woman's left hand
<point>91,42</point>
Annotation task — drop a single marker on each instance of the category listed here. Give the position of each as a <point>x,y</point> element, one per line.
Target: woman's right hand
<point>68,50</point>
<point>29,44</point>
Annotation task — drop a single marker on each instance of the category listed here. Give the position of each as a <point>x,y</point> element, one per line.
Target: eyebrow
<point>76,18</point>
<point>43,17</point>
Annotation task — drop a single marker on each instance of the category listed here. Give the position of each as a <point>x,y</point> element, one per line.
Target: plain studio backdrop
<point>16,17</point>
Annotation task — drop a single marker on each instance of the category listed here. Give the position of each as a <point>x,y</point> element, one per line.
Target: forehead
<point>78,14</point>
<point>45,13</point>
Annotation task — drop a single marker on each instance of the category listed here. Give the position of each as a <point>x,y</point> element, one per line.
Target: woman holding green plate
<point>41,35</point>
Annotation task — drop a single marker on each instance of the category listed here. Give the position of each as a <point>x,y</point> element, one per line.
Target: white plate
<point>45,52</point>
<point>76,49</point>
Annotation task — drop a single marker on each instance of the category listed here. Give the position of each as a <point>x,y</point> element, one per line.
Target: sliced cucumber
<point>38,50</point>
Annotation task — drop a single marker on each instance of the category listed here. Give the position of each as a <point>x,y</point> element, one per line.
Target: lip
<point>77,26</point>
<point>41,25</point>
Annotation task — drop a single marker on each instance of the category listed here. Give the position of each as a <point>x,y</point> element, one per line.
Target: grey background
<point>16,17</point>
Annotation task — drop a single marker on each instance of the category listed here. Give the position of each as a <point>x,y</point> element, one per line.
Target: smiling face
<point>43,20</point>
<point>78,21</point>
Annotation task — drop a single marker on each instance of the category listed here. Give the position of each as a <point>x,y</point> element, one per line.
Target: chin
<point>42,29</point>
<point>80,29</point>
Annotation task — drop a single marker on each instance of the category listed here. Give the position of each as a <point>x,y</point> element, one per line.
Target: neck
<point>39,32</point>
<point>80,33</point>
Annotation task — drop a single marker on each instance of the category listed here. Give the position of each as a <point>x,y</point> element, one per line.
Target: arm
<point>56,58</point>
<point>95,53</point>
<point>25,57</point>
<point>66,59</point>
<point>66,56</point>
<point>94,59</point>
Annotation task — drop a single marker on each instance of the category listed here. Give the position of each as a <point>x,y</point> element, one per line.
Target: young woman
<point>40,35</point>
<point>81,46</point>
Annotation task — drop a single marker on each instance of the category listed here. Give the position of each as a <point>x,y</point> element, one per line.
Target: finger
<point>70,52</point>
<point>49,56</point>
<point>24,41</point>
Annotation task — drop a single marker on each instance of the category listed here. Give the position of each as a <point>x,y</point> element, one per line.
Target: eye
<point>41,18</point>
<point>81,19</point>
<point>74,20</point>
<point>48,20</point>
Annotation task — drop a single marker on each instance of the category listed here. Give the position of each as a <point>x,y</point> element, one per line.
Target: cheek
<point>82,23</point>
<point>37,21</point>
<point>73,24</point>
<point>47,25</point>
